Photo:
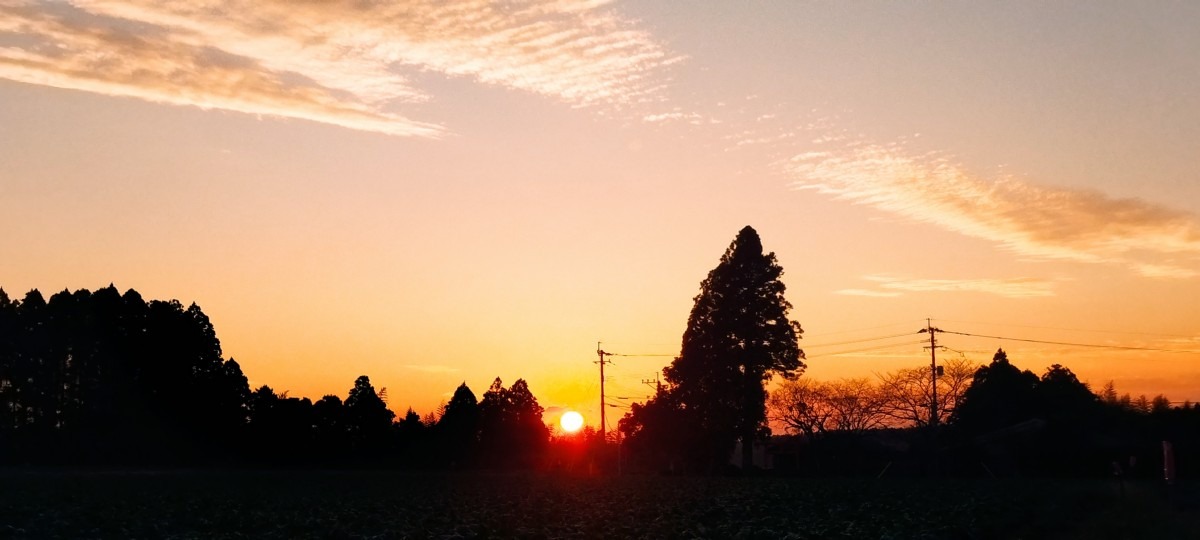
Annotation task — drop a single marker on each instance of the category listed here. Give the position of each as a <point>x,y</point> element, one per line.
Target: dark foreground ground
<point>240,504</point>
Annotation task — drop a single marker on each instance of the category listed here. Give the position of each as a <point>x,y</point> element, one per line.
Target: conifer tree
<point>738,336</point>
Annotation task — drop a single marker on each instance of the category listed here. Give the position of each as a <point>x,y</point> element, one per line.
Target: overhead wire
<point>805,345</point>
<point>866,349</point>
<point>865,329</point>
<point>1092,345</point>
<point>1073,329</point>
<point>818,345</point>
<point>865,340</point>
<point>623,383</point>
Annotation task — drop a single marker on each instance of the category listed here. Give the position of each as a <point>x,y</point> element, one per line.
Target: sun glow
<point>571,421</point>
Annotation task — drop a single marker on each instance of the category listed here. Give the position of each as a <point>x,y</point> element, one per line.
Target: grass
<point>361,504</point>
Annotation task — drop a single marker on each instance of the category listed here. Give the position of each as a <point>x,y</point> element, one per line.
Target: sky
<point>431,193</point>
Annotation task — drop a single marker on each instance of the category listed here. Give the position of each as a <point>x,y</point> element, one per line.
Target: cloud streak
<point>1035,221</point>
<point>1022,287</point>
<point>342,62</point>
<point>870,293</point>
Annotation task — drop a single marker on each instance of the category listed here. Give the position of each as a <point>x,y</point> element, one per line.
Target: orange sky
<point>430,193</point>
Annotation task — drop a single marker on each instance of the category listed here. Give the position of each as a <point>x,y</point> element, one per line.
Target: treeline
<point>1015,421</point>
<point>503,430</point>
<point>109,379</point>
<point>104,378</point>
<point>995,419</point>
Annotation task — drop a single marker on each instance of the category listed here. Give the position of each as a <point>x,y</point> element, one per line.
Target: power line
<point>863,329</point>
<point>889,346</point>
<point>1093,345</point>
<point>1074,329</point>
<point>963,353</point>
<point>810,346</point>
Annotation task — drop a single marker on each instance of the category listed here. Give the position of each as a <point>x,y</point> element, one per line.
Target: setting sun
<point>571,421</point>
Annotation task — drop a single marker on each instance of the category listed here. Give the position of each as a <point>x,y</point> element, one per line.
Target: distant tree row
<point>974,398</point>
<point>110,379</point>
<point>503,430</point>
<point>996,419</point>
<point>1055,423</point>
<point>101,377</point>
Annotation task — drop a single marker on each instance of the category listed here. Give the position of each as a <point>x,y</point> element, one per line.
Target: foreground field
<point>197,504</point>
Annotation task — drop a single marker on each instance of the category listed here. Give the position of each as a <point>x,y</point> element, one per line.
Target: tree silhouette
<point>329,423</point>
<point>530,433</point>
<point>665,435</point>
<point>105,377</point>
<point>9,373</point>
<point>1108,394</point>
<point>813,408</point>
<point>368,420</point>
<point>1074,417</point>
<point>906,393</point>
<point>511,432</point>
<point>457,431</point>
<point>1000,396</point>
<point>1054,424</point>
<point>1060,391</point>
<point>803,406</point>
<point>738,336</point>
<point>413,439</point>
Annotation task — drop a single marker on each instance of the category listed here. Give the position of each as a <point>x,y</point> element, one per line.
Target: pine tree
<point>738,336</point>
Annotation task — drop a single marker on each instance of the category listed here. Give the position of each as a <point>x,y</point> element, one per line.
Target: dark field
<point>238,504</point>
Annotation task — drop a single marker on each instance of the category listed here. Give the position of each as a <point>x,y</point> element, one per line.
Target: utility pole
<point>933,371</point>
<point>654,383</point>
<point>603,405</point>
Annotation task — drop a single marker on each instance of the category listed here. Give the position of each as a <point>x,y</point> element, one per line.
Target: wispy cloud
<point>82,51</point>
<point>342,62</point>
<point>867,292</point>
<point>1033,220</point>
<point>1021,287</point>
<point>432,369</point>
<point>676,115</point>
<point>1165,271</point>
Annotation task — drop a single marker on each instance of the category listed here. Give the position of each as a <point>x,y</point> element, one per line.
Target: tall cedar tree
<point>738,336</point>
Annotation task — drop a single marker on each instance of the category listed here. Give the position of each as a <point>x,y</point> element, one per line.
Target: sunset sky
<point>433,192</point>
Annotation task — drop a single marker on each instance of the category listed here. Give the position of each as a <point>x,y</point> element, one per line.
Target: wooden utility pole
<point>603,405</point>
<point>654,383</point>
<point>933,374</point>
